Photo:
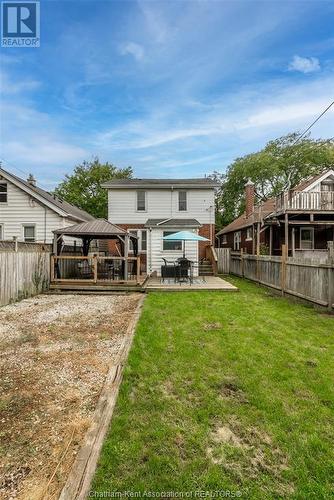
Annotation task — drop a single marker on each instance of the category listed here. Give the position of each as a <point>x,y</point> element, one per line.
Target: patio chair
<point>184,270</point>
<point>168,270</point>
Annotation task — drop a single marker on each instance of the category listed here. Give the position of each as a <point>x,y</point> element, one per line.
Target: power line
<point>26,174</point>
<point>313,123</point>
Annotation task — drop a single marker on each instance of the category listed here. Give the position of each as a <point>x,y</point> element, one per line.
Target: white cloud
<point>304,64</point>
<point>133,49</point>
<point>17,86</point>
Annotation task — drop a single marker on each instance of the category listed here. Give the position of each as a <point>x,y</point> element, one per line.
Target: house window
<point>307,238</point>
<point>249,234</point>
<point>182,201</point>
<point>237,240</point>
<point>224,239</point>
<point>1,232</point>
<point>143,240</point>
<point>3,192</point>
<point>29,233</point>
<point>171,245</point>
<point>141,201</point>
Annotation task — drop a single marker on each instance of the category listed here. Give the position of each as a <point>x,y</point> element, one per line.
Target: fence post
<point>95,267</point>
<point>138,270</point>
<point>283,268</point>
<point>242,262</point>
<point>330,275</point>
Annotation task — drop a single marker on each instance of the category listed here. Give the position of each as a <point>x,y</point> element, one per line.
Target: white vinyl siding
<point>155,251</point>
<point>21,210</point>
<point>160,203</point>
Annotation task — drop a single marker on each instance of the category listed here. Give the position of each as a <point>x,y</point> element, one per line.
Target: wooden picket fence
<point>308,279</point>
<point>223,260</point>
<point>24,272</point>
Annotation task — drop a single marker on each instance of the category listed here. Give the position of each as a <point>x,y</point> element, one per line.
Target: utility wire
<point>313,123</point>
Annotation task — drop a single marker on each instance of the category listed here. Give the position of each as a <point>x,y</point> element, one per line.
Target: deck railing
<point>301,200</point>
<point>95,269</point>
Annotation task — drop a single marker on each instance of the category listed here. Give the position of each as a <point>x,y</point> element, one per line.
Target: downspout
<point>150,230</point>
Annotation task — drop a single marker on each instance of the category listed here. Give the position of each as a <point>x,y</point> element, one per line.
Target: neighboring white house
<point>30,214</point>
<point>154,208</point>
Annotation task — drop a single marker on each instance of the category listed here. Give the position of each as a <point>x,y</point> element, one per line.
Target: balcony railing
<point>301,200</point>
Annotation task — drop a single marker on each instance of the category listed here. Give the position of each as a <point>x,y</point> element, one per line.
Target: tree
<point>280,165</point>
<point>83,187</point>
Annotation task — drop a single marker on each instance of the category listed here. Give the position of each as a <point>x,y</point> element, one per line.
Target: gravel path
<point>54,354</point>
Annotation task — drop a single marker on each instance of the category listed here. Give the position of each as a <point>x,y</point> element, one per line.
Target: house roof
<point>53,202</point>
<point>99,228</point>
<point>177,223</point>
<point>311,180</point>
<point>260,211</point>
<point>198,183</point>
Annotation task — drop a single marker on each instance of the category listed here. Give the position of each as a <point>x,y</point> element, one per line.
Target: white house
<point>154,208</point>
<point>30,214</point>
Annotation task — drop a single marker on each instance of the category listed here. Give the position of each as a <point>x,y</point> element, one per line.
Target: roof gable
<point>61,207</point>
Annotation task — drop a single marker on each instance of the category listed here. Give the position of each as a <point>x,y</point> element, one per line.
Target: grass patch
<point>225,392</point>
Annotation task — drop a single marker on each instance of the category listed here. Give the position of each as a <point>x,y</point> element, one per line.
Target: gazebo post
<point>126,255</point>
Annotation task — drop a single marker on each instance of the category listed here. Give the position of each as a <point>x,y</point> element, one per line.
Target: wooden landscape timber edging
<point>309,280</point>
<point>82,472</point>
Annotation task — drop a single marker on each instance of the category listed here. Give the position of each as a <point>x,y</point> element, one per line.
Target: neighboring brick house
<point>302,218</point>
<point>154,208</point>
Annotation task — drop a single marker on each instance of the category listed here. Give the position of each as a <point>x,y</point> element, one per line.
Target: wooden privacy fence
<point>223,260</point>
<point>23,274</point>
<point>307,279</point>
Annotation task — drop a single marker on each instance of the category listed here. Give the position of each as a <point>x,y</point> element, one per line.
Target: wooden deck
<point>103,286</point>
<point>212,283</point>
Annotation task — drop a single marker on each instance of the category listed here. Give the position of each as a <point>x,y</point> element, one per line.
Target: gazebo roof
<point>97,228</point>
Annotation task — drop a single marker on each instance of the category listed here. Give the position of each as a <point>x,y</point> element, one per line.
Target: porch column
<point>258,234</point>
<point>126,255</point>
<point>270,240</point>
<point>286,233</point>
<point>293,241</point>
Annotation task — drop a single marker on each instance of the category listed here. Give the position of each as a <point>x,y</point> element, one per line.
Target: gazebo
<point>92,267</point>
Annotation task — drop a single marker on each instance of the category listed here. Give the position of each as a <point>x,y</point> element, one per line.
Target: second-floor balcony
<point>305,201</point>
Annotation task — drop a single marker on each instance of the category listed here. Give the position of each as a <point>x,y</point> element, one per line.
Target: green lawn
<point>225,391</point>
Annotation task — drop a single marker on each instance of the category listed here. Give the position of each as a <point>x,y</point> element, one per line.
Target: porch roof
<point>97,228</point>
<point>173,223</point>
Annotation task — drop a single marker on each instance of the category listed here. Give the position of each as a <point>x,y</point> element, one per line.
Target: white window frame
<point>173,250</point>
<point>140,239</point>
<point>236,240</point>
<point>4,183</point>
<point>28,224</point>
<point>305,228</point>
<point>185,201</point>
<point>224,239</point>
<point>145,198</point>
<point>2,231</point>
<point>249,230</point>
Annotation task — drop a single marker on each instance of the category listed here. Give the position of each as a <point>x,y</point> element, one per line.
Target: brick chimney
<point>250,197</point>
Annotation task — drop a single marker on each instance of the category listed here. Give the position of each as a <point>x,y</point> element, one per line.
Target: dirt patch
<point>212,326</point>
<point>55,352</point>
<point>246,452</point>
<point>230,389</point>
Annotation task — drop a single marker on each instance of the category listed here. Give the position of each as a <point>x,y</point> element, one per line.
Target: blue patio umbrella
<point>185,236</point>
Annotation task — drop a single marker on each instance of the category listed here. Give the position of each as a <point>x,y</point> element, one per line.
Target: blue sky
<point>172,88</point>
